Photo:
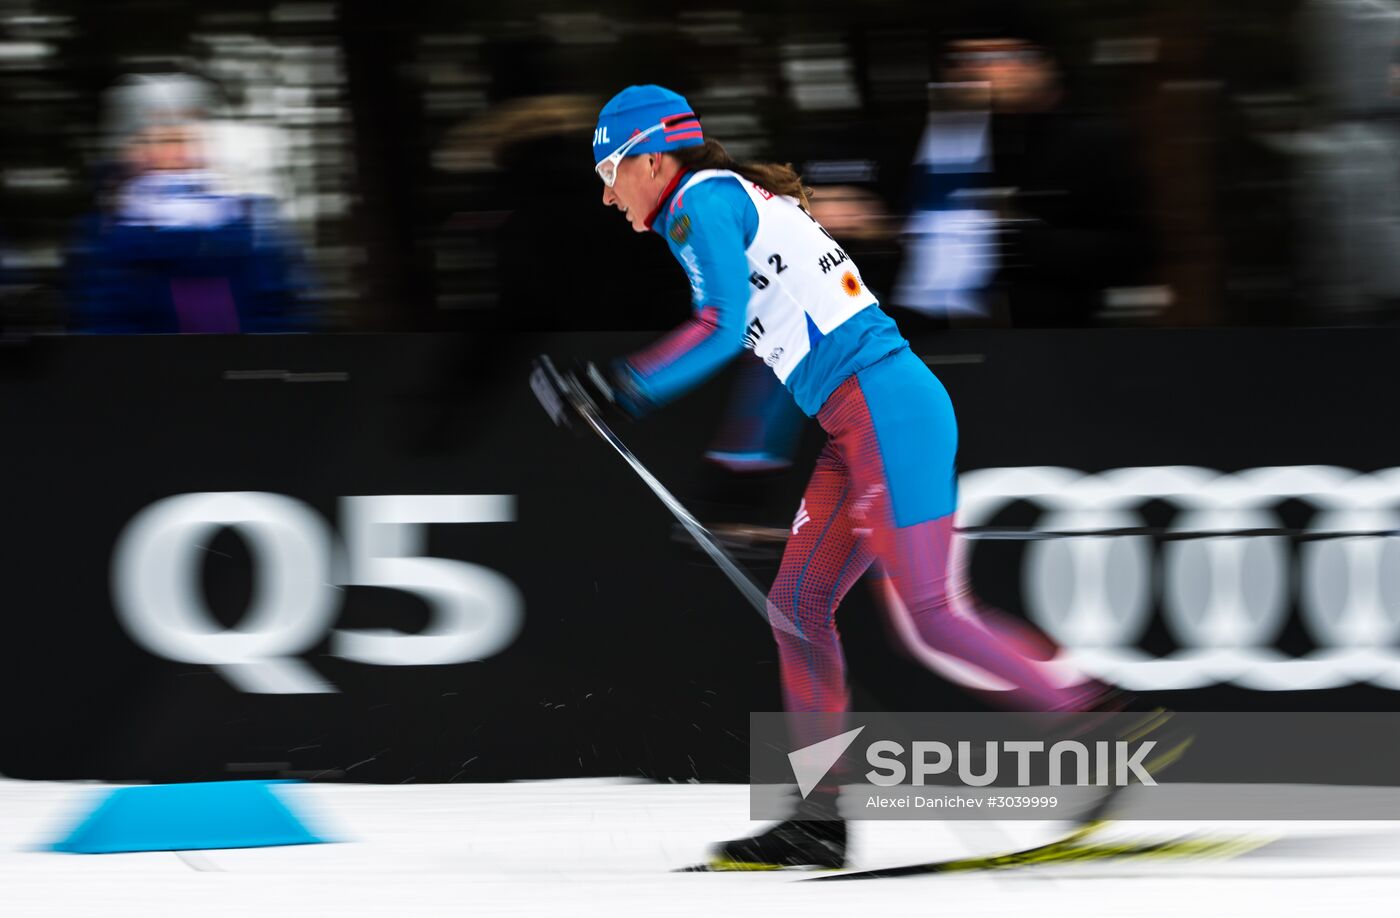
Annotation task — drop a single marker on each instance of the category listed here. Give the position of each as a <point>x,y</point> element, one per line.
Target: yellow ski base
<point>1072,850</point>
<point>718,865</point>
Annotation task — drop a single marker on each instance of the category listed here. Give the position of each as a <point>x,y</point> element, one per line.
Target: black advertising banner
<point>373,558</point>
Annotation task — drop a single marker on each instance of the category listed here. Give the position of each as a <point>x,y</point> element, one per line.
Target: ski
<point>1073,848</point>
<point>736,867</point>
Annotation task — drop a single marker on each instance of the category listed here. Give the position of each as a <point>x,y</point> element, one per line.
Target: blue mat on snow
<point>183,817</point>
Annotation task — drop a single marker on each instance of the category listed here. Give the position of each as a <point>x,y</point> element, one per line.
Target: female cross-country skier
<point>766,277</point>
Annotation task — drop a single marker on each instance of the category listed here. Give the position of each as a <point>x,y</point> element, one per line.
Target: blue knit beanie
<point>637,108</point>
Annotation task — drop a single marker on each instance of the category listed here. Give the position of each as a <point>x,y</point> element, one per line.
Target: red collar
<point>665,196</point>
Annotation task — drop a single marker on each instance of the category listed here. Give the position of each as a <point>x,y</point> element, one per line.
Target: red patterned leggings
<point>846,523</point>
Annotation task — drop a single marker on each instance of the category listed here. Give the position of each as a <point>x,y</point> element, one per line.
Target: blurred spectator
<point>952,252</point>
<point>177,245</point>
<point>1026,210</point>
<point>1349,162</point>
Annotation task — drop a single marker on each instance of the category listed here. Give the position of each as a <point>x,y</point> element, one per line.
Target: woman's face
<point>635,191</point>
<point>1022,76</point>
<point>162,148</point>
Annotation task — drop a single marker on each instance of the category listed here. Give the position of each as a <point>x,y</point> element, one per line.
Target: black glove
<point>608,389</point>
<point>586,388</point>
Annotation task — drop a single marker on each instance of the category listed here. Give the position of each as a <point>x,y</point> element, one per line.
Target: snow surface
<point>607,848</point>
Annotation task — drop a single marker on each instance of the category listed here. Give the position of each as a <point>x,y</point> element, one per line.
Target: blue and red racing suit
<point>766,277</point>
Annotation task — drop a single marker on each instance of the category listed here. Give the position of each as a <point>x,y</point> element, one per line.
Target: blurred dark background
<point>417,166</point>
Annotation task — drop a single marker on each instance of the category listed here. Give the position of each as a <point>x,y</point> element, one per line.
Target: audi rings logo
<point>1224,599</point>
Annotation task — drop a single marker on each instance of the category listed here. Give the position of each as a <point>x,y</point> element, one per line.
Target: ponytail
<point>778,178</point>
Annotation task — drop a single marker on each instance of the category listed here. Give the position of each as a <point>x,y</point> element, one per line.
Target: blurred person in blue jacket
<point>1028,209</point>
<point>175,246</point>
